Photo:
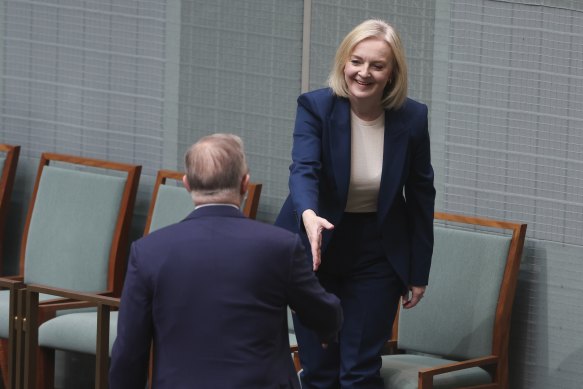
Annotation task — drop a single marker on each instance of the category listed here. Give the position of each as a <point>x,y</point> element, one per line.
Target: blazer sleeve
<point>314,307</point>
<point>420,200</point>
<point>131,350</point>
<point>305,170</point>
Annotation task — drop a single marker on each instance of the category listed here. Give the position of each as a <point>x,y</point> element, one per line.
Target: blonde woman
<point>362,199</point>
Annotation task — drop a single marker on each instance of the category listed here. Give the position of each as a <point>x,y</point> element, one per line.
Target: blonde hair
<point>215,166</point>
<point>395,92</point>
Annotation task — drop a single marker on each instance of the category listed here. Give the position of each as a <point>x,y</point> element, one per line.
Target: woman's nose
<point>364,72</point>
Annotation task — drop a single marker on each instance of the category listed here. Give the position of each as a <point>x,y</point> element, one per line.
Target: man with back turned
<point>211,292</point>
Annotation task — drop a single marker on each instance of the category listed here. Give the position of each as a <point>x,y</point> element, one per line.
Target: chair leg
<point>45,368</point>
<point>4,362</point>
<point>151,368</point>
<point>297,364</point>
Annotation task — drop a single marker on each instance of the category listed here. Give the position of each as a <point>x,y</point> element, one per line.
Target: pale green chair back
<point>77,231</point>
<point>173,203</point>
<point>455,319</point>
<point>72,229</point>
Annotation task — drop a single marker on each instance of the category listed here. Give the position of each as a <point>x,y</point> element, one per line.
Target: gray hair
<point>215,166</point>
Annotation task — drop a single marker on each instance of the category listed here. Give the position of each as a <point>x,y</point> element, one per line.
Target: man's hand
<point>314,226</point>
<point>411,299</point>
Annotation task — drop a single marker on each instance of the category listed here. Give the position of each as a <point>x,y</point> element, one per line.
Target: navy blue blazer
<point>320,176</point>
<point>211,292</point>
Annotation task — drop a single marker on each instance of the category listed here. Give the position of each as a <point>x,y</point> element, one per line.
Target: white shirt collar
<point>215,204</point>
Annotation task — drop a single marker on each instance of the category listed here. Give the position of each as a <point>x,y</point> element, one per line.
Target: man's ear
<point>185,183</point>
<point>245,183</point>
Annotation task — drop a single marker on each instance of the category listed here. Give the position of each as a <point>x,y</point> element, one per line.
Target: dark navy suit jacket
<point>320,176</point>
<point>211,292</point>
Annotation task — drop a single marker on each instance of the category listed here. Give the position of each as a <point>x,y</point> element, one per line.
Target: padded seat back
<point>456,317</point>
<point>71,229</point>
<point>173,204</point>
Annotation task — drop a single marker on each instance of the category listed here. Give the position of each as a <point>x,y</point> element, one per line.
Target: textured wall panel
<point>84,78</point>
<point>240,71</point>
<point>509,145</point>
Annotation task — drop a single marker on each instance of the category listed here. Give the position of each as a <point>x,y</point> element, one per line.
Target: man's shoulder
<point>261,228</point>
<point>245,226</point>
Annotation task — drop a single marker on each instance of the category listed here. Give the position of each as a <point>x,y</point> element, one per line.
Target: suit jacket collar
<point>394,153</point>
<point>340,146</point>
<point>215,211</point>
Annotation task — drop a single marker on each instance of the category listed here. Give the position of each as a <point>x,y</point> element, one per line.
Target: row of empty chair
<point>76,238</point>
<point>457,337</point>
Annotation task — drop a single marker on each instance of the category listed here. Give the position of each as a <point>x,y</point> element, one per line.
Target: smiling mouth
<point>364,83</point>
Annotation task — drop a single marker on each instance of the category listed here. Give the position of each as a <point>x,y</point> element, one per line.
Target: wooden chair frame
<point>497,362</point>
<point>104,304</point>
<point>117,262</point>
<point>7,176</point>
<point>119,248</point>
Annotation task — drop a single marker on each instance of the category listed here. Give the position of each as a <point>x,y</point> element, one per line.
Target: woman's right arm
<point>305,174</point>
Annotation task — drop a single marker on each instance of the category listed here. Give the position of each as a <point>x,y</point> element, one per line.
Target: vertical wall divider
<point>306,46</point>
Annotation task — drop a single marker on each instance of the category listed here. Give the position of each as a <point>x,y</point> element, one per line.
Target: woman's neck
<point>366,111</point>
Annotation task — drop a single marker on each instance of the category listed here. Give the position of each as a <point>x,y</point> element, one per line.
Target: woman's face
<point>368,69</point>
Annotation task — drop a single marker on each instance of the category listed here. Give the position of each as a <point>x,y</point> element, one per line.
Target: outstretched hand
<point>314,226</point>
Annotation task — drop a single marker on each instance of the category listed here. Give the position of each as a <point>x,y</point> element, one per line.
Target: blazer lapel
<point>340,147</point>
<point>394,156</point>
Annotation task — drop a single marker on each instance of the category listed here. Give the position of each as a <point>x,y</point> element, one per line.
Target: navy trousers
<point>355,268</point>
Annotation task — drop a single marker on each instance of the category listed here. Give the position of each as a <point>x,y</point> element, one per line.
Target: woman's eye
<point>354,61</point>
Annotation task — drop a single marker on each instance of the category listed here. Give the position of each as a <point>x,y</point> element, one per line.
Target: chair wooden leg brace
<point>31,340</point>
<point>102,347</point>
<point>16,338</point>
<point>102,338</point>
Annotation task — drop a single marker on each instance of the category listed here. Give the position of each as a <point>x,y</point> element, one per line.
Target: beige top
<point>366,163</point>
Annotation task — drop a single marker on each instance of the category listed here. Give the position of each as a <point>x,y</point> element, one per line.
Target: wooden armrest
<point>426,375</point>
<point>72,297</point>
<point>51,306</point>
<point>12,282</point>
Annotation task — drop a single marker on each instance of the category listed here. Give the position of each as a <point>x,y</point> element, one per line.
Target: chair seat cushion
<point>75,332</point>
<point>5,308</point>
<point>401,372</point>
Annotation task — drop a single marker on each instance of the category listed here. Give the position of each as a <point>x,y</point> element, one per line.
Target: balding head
<point>216,170</point>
